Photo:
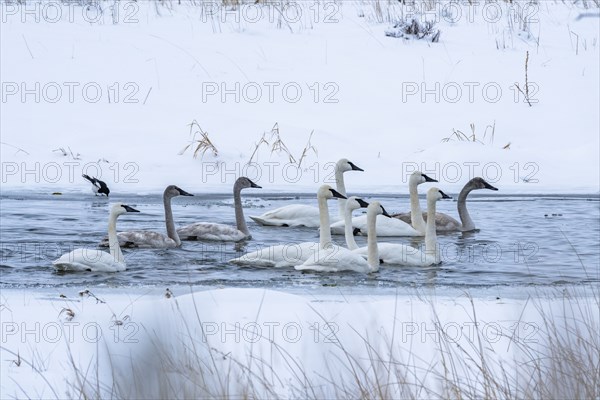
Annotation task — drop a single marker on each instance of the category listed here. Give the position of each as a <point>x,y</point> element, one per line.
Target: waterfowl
<point>96,260</point>
<point>223,232</point>
<point>305,215</point>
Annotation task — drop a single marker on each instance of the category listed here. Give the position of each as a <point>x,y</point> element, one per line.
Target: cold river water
<point>540,240</point>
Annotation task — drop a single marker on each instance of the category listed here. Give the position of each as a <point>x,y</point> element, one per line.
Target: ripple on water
<point>515,246</point>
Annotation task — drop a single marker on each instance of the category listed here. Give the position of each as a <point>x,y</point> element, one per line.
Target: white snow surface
<point>366,96</point>
<point>223,342</point>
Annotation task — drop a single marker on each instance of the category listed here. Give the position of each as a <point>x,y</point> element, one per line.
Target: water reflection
<point>516,245</point>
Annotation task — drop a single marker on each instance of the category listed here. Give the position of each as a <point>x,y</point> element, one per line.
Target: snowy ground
<point>262,343</point>
<point>121,95</point>
<point>115,85</point>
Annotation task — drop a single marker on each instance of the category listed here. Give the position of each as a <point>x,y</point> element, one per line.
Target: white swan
<point>444,222</point>
<point>401,254</point>
<point>150,239</point>
<point>392,226</point>
<point>97,260</point>
<point>223,232</point>
<point>304,215</point>
<point>335,258</point>
<point>385,226</point>
<point>289,255</point>
<point>416,178</point>
<point>353,203</point>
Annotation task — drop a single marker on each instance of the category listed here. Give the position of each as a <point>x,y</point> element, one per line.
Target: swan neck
<point>431,247</point>
<point>416,216</point>
<point>325,229</point>
<point>239,210</point>
<point>349,230</point>
<point>340,187</point>
<point>113,240</point>
<point>463,213</point>
<point>372,249</point>
<point>171,231</point>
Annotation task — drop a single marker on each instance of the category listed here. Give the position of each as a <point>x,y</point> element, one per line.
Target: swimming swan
<point>416,178</point>
<point>385,226</point>
<point>289,255</point>
<point>335,258</point>
<point>97,260</point>
<point>304,215</point>
<point>392,226</point>
<point>353,203</point>
<point>444,222</point>
<point>150,239</point>
<point>223,232</point>
<point>401,254</point>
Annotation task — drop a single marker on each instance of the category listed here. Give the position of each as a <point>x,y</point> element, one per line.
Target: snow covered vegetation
<point>110,88</point>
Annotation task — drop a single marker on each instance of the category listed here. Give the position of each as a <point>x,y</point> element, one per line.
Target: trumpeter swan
<point>223,232</point>
<point>444,222</point>
<point>336,258</point>
<point>150,239</point>
<point>353,203</point>
<point>401,254</point>
<point>97,260</point>
<point>416,178</point>
<point>289,255</point>
<point>98,187</point>
<point>392,226</point>
<point>385,226</point>
<point>304,215</point>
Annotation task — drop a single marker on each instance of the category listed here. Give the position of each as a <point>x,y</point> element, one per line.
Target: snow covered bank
<point>110,89</point>
<point>262,343</point>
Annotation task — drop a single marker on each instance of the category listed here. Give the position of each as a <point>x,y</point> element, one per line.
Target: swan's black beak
<point>337,194</point>
<point>385,213</point>
<point>428,179</point>
<point>254,185</point>
<point>354,167</point>
<point>129,209</point>
<point>444,195</point>
<point>362,203</point>
<point>183,192</point>
<point>488,186</point>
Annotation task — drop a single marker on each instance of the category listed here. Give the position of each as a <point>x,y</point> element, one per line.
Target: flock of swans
<point>323,256</point>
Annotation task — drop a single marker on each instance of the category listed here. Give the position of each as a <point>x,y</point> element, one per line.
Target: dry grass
<point>273,140</point>
<point>278,145</point>
<point>562,362</point>
<point>308,148</point>
<point>415,29</point>
<point>525,91</point>
<point>488,135</point>
<point>19,150</point>
<point>200,145</point>
<point>262,141</point>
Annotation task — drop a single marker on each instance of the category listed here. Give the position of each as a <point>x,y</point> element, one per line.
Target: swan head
<point>435,194</point>
<point>173,191</point>
<point>245,183</point>
<point>376,208</point>
<point>354,203</point>
<point>327,192</point>
<point>344,165</point>
<point>480,183</point>
<point>417,177</point>
<point>120,208</point>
